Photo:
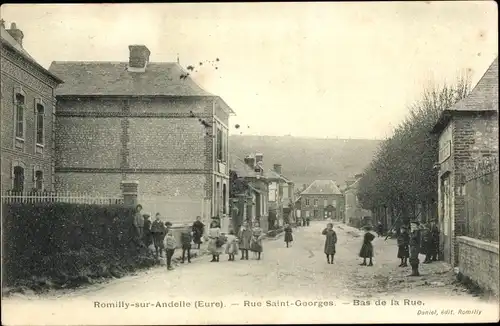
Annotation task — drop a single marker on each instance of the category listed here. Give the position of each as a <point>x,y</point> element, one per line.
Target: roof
<point>101,78</point>
<point>242,169</point>
<point>322,187</point>
<point>483,98</point>
<point>11,43</point>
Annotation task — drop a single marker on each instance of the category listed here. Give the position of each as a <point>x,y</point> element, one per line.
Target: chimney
<point>349,183</point>
<point>250,161</point>
<point>277,168</point>
<point>16,33</point>
<point>358,176</point>
<point>138,58</point>
<point>259,157</point>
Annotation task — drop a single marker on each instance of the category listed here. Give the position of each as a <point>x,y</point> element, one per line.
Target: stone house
<point>249,193</point>
<point>321,200</point>
<point>144,121</point>
<point>355,215</point>
<point>468,133</point>
<point>27,109</point>
<point>281,196</point>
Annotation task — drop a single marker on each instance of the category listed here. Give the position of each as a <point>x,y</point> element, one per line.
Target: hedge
<point>64,242</point>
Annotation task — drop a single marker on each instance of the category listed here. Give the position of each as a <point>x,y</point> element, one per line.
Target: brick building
<point>27,111</point>
<point>141,120</point>
<point>321,200</point>
<point>468,132</point>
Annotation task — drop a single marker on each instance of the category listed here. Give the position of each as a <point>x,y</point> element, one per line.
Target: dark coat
<point>244,237</point>
<point>367,247</point>
<point>197,228</point>
<point>158,227</point>
<point>288,234</point>
<point>186,239</point>
<point>330,241</point>
<point>415,239</point>
<point>403,245</point>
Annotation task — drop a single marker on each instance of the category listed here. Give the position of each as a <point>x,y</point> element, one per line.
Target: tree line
<point>402,179</point>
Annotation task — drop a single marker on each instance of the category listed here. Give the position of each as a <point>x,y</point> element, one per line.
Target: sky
<point>322,70</point>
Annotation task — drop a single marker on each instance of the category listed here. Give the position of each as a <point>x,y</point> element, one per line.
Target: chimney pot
<point>138,58</point>
<point>16,33</point>
<point>277,168</point>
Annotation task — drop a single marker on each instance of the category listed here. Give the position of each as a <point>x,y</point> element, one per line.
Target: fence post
<point>129,191</point>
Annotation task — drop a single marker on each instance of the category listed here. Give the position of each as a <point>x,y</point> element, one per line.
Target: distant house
<point>141,120</point>
<point>28,108</point>
<point>468,134</point>
<point>355,215</point>
<point>321,200</point>
<point>274,193</point>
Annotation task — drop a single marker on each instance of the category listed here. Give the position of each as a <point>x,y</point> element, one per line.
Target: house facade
<point>143,121</point>
<point>321,200</point>
<point>27,109</point>
<point>468,133</point>
<point>281,196</point>
<point>355,215</point>
<point>249,192</point>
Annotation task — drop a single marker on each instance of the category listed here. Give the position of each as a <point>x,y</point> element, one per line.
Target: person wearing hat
<point>415,239</point>
<point>403,246</point>
<point>367,247</point>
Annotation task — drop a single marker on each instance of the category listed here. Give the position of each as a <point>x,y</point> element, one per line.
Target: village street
<point>296,273</point>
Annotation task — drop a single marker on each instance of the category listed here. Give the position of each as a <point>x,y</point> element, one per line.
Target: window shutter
<point>34,173</point>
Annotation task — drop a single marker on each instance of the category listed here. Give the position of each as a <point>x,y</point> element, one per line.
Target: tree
<point>402,176</point>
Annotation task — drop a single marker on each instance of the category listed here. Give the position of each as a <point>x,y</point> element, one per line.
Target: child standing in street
<point>170,245</point>
<point>186,239</point>
<point>288,234</point>
<point>158,231</point>
<point>231,245</point>
<point>367,247</point>
<point>244,236</point>
<point>330,242</point>
<point>403,246</point>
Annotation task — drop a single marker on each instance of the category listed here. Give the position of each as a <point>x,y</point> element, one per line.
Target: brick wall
<point>478,260</point>
<point>473,138</point>
<point>166,143</point>
<point>88,142</point>
<point>161,137</point>
<point>20,75</point>
<point>96,183</point>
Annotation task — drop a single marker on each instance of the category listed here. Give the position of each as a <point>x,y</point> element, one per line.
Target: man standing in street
<point>414,247</point>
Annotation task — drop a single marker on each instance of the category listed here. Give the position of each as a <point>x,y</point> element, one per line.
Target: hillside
<point>306,159</point>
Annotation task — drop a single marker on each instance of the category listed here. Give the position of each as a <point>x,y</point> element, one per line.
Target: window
<point>325,202</point>
<point>315,202</point>
<point>18,174</point>
<point>19,117</point>
<point>224,145</point>
<point>39,120</point>
<point>219,144</point>
<point>39,180</point>
<point>307,202</point>
<point>224,196</point>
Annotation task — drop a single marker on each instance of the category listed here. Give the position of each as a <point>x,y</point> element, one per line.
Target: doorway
<point>447,218</point>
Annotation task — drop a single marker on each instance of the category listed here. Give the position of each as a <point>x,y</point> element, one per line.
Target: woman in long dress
<point>256,242</point>
<point>244,237</point>
<point>215,245</point>
<point>367,247</point>
<point>330,242</point>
